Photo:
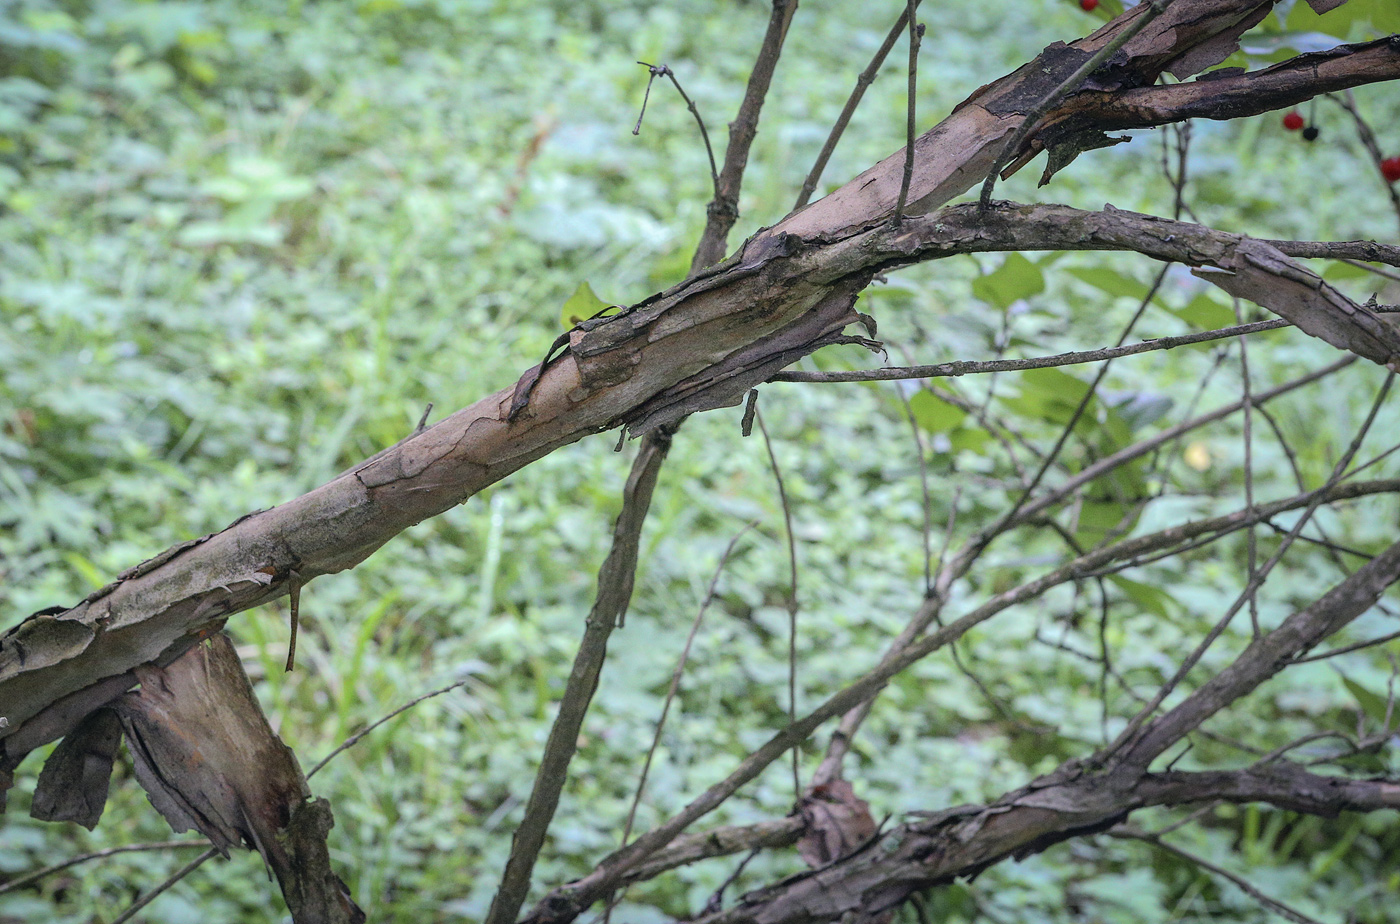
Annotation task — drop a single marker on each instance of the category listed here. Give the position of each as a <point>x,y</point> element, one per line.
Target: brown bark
<point>789,290</point>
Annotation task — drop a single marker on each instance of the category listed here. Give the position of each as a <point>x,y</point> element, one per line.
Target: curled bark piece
<point>74,782</point>
<point>208,759</point>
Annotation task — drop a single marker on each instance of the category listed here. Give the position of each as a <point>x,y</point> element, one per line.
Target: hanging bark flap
<point>74,782</point>
<point>204,752</point>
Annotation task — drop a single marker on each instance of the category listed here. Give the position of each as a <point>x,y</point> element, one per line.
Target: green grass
<point>245,244</point>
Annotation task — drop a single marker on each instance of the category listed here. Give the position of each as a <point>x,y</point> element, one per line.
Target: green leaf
<point>1372,704</point>
<point>1110,281</point>
<point>1205,312</point>
<point>934,414</point>
<point>1149,599</point>
<point>1098,520</point>
<point>1355,19</point>
<point>583,304</point>
<point>1017,278</point>
<point>1048,394</point>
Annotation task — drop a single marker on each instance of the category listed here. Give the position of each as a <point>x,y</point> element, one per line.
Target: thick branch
<point>614,593</point>
<point>1230,94</point>
<point>697,346</point>
<point>963,841</point>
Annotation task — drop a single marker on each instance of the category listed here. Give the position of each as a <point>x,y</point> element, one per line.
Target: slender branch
<point>866,78</point>
<point>357,736</point>
<point>22,881</point>
<point>615,579</point>
<point>1297,917</point>
<point>792,594</point>
<point>1347,649</point>
<point>959,564</point>
<point>1368,140</point>
<point>1127,737</point>
<point>567,901</point>
<point>676,680</point>
<point>662,70</point>
<point>155,893</point>
<point>978,367</point>
<point>723,210</point>
<point>916,32</point>
<point>1247,436</point>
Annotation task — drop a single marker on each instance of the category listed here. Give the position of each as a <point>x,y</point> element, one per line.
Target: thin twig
<point>615,579</point>
<point>662,70</point>
<point>1010,516</point>
<point>1273,904</point>
<point>792,595</point>
<point>915,33</point>
<point>1150,11</point>
<point>619,865</point>
<point>1252,536</point>
<point>926,533</point>
<point>355,738</point>
<point>675,687</point>
<point>1130,732</point>
<point>1322,656</point>
<point>1078,357</point>
<point>38,874</point>
<point>153,894</point>
<point>1368,140</point>
<point>866,78</point>
<point>972,549</point>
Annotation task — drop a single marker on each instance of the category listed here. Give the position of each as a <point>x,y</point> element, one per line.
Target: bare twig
<point>618,866</point>
<point>1078,357</point>
<point>792,594</point>
<point>676,682</point>
<point>925,496</point>
<point>723,211</point>
<point>355,738</point>
<point>866,78</point>
<point>1273,904</point>
<point>22,881</point>
<point>662,70</point>
<point>1251,537</point>
<point>615,580</point>
<point>1368,140</point>
<point>155,893</point>
<point>1129,734</point>
<point>1347,649</point>
<point>915,33</point>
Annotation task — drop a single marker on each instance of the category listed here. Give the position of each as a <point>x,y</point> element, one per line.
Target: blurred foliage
<point>244,244</point>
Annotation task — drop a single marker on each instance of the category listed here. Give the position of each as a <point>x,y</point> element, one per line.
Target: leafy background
<point>244,244</point>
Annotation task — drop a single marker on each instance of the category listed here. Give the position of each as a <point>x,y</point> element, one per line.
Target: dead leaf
<point>838,822</point>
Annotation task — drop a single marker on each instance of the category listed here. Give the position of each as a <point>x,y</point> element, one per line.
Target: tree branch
<point>614,591</point>
<point>724,210</point>
<point>965,367</point>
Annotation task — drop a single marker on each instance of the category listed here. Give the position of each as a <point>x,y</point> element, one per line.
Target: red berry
<point>1088,6</point>
<point>1390,169</point>
<point>1293,121</point>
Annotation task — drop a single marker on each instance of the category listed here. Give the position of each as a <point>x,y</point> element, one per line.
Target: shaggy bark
<point>789,290</point>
